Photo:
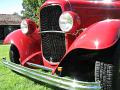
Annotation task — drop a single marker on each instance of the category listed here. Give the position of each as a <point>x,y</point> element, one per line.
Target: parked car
<point>78,41</point>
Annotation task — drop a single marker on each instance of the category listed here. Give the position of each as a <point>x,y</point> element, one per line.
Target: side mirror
<point>28,26</point>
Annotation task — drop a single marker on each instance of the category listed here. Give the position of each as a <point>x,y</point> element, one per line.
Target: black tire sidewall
<point>116,67</point>
<point>112,69</point>
<point>14,54</point>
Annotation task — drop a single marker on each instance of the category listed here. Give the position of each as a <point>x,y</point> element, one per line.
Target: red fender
<point>100,35</point>
<point>26,44</point>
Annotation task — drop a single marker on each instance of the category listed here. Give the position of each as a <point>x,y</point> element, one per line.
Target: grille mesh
<point>50,18</point>
<point>53,43</point>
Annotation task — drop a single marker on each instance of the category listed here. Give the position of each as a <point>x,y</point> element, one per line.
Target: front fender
<point>26,44</point>
<point>100,35</point>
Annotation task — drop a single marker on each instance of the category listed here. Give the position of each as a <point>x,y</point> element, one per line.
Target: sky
<point>10,6</point>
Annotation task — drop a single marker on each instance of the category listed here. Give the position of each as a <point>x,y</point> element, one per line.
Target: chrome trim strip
<point>39,66</point>
<point>60,82</point>
<point>51,32</point>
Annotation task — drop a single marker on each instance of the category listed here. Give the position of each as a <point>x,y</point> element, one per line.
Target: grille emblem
<point>51,59</point>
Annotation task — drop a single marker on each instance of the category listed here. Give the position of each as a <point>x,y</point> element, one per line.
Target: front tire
<point>104,74</point>
<point>109,73</point>
<point>14,54</point>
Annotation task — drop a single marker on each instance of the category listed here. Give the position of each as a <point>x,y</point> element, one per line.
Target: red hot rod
<point>78,41</point>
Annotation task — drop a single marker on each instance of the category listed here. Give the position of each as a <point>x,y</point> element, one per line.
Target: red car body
<point>99,30</point>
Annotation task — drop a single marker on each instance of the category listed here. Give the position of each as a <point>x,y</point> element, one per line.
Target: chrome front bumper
<point>60,82</point>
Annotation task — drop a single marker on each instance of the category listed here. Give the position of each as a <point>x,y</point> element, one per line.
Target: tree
<point>15,13</point>
<point>31,9</point>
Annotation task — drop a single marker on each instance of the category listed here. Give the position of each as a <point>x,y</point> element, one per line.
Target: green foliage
<point>31,9</point>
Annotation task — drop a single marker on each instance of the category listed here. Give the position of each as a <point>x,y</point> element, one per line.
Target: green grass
<point>11,81</point>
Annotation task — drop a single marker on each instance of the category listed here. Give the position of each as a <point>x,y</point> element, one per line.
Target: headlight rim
<point>63,16</point>
<point>24,26</point>
<point>28,26</point>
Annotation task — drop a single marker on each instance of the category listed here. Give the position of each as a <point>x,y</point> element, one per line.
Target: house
<point>8,23</point>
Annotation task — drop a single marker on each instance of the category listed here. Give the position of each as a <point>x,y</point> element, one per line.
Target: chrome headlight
<point>66,22</point>
<point>28,26</point>
<point>24,27</point>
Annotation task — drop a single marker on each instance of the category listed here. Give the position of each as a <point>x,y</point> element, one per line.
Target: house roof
<point>10,19</point>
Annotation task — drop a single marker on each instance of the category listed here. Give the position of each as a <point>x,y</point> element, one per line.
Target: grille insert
<point>53,46</point>
<point>53,43</point>
<point>49,17</point>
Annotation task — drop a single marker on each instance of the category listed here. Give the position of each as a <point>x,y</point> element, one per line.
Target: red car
<point>78,41</point>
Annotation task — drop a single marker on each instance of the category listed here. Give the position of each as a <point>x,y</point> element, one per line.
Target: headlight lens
<point>66,22</point>
<point>24,27</point>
